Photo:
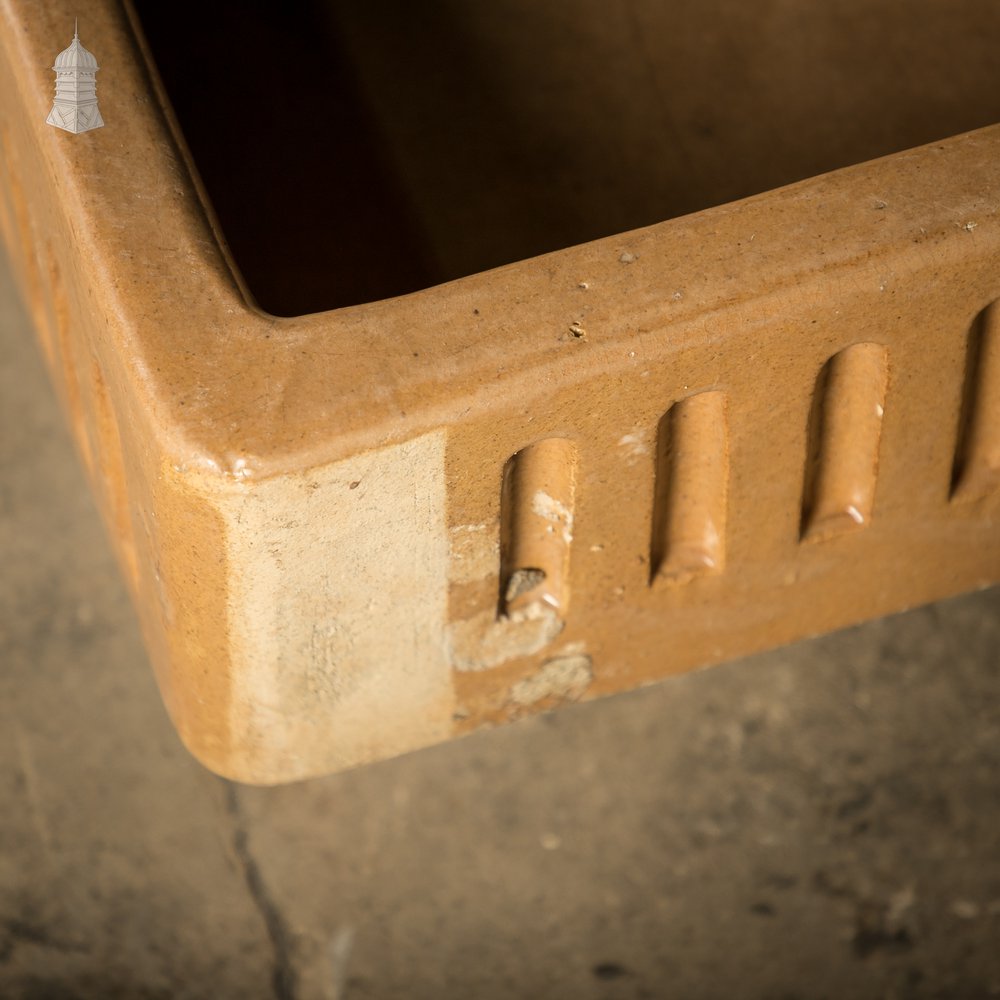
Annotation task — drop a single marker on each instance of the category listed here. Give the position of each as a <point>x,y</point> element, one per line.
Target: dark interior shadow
<point>359,151</point>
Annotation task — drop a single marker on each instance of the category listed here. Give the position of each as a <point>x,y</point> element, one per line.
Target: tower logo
<point>75,107</point>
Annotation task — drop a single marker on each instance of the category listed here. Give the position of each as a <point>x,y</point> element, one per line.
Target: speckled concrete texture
<point>816,822</point>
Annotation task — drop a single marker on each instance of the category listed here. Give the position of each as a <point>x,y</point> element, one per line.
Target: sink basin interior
<point>354,151</point>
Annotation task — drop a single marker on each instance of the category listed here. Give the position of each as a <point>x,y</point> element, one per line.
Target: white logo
<point>75,107</point>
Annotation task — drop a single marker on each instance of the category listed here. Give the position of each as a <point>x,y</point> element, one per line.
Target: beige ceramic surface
<point>720,433</point>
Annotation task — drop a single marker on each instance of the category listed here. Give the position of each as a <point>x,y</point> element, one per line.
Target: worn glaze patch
<point>485,640</point>
<point>475,552</point>
<point>337,606</point>
<point>563,677</point>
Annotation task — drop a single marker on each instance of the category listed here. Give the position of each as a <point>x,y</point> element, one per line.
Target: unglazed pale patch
<point>564,677</point>
<point>485,640</point>
<point>337,606</point>
<point>475,552</point>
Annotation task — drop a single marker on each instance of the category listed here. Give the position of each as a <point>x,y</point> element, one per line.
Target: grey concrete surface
<point>821,821</point>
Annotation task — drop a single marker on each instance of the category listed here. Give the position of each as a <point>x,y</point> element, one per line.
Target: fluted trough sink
<point>439,365</point>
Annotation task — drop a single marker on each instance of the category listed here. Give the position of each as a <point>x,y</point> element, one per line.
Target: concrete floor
<point>821,821</point>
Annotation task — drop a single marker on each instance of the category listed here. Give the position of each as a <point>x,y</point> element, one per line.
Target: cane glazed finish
<point>357,532</point>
